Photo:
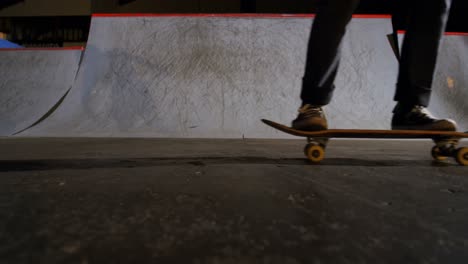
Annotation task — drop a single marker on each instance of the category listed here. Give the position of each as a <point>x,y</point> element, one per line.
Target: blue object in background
<point>7,44</point>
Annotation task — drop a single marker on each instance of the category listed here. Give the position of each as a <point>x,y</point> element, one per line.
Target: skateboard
<point>445,142</point>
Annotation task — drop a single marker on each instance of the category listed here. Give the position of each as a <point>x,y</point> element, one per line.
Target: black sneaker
<point>310,118</point>
<point>419,118</point>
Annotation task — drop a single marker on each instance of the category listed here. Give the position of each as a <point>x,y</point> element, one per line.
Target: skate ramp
<point>216,77</point>
<point>32,82</point>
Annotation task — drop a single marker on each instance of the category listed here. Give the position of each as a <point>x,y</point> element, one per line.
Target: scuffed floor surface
<point>228,201</point>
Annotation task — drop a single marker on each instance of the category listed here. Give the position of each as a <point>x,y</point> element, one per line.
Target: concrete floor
<point>228,201</point>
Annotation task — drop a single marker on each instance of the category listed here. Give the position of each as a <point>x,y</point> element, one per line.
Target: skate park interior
<point>144,144</point>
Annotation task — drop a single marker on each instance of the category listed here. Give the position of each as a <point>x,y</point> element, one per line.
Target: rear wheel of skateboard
<point>461,156</point>
<point>436,154</point>
<point>315,153</point>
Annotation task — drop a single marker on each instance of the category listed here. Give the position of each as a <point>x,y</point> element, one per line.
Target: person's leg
<point>324,50</point>
<point>426,26</point>
<point>323,57</point>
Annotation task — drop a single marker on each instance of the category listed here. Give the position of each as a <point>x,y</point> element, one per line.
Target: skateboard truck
<point>448,148</point>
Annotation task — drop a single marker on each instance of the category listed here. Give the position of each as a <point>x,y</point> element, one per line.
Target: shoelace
<point>421,112</point>
<point>310,110</point>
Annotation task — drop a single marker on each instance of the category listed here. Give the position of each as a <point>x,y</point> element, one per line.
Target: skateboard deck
<point>445,141</point>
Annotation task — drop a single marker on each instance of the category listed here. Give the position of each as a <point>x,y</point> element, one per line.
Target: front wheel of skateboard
<point>436,154</point>
<point>314,153</point>
<point>461,156</point>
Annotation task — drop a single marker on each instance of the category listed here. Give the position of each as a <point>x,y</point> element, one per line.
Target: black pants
<point>425,27</point>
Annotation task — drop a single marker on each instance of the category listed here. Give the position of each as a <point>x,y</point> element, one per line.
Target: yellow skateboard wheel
<point>461,156</point>
<point>314,153</point>
<point>436,154</point>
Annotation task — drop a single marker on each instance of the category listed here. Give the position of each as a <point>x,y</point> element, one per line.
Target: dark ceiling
<point>5,3</point>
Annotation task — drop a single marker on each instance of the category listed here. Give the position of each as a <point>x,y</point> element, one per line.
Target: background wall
<point>66,22</point>
<point>48,8</point>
